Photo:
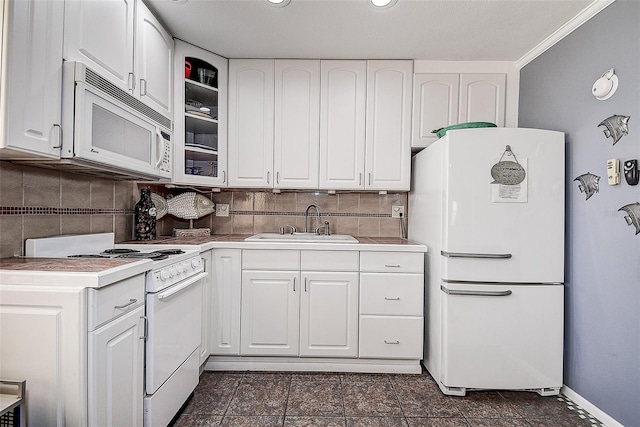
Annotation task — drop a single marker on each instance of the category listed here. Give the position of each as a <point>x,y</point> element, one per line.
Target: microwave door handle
<point>160,147</point>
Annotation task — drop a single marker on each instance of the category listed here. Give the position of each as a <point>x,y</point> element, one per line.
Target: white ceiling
<point>448,30</point>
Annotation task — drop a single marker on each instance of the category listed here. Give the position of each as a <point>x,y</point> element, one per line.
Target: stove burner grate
<point>87,256</point>
<point>170,251</point>
<point>119,251</point>
<point>154,256</point>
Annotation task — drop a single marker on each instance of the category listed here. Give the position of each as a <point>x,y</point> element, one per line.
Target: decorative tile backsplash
<point>38,202</point>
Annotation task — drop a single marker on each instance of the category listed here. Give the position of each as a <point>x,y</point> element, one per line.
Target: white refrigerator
<point>489,204</point>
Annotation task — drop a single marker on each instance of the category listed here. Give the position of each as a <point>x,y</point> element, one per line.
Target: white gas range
<point>173,307</point>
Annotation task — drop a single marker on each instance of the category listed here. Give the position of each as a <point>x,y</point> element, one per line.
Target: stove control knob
<point>195,263</point>
<point>164,274</point>
<point>172,271</point>
<point>178,270</point>
<point>185,267</point>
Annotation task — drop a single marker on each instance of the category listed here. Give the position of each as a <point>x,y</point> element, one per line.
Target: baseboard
<point>590,407</point>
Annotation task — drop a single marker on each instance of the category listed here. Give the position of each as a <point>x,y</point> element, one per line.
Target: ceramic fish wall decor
<point>616,127</point>
<point>588,184</point>
<point>633,215</point>
<point>185,206</point>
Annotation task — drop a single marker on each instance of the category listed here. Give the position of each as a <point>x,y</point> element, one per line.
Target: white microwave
<point>108,129</point>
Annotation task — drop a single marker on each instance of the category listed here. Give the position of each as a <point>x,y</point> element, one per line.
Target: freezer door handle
<point>476,293</point>
<point>472,255</point>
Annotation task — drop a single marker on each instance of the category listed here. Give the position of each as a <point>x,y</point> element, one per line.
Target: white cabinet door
<point>225,302</point>
<point>388,136</point>
<point>435,105</point>
<point>101,35</point>
<point>116,366</point>
<point>154,62</point>
<point>482,98</point>
<point>342,124</point>
<point>329,314</point>
<point>270,303</point>
<point>297,117</point>
<point>32,77</point>
<point>251,112</point>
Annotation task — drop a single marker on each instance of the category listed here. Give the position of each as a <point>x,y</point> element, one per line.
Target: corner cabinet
<point>32,40</point>
<point>441,100</point>
<point>200,137</point>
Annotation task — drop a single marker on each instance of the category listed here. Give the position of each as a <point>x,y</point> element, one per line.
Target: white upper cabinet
<point>122,41</point>
<point>482,98</point>
<point>297,121</point>
<point>251,115</point>
<point>435,105</point>
<point>441,100</point>
<point>342,124</point>
<point>388,136</point>
<point>154,61</point>
<point>101,34</point>
<point>31,78</point>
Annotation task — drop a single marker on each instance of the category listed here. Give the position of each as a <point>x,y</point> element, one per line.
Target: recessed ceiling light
<point>279,3</point>
<point>383,3</point>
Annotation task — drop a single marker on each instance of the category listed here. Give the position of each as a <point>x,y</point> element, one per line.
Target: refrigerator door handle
<point>476,293</point>
<point>472,255</point>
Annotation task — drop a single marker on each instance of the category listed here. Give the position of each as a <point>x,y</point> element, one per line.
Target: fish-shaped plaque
<point>588,184</point>
<point>633,215</point>
<point>185,206</point>
<point>616,127</point>
<point>507,172</point>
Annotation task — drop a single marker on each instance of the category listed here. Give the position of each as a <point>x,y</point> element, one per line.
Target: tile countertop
<point>237,241</point>
<point>71,272</point>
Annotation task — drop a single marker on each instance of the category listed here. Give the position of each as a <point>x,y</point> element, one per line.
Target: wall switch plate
<point>222,210</point>
<point>397,211</point>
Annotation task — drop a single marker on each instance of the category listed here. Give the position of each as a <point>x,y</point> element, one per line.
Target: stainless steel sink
<point>302,237</point>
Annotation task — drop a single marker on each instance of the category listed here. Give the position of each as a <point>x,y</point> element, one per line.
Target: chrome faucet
<point>306,215</point>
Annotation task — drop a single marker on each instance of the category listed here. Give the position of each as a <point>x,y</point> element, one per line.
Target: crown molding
<point>587,13</point>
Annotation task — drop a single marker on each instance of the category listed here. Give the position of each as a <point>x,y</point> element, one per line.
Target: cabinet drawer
<point>391,337</point>
<point>259,259</point>
<point>114,300</point>
<point>401,262</point>
<point>391,294</point>
<point>329,260</point>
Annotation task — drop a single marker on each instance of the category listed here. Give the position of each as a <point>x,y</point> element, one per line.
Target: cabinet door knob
<point>55,125</point>
<point>143,87</point>
<point>391,342</point>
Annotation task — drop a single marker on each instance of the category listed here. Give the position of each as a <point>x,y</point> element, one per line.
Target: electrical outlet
<point>397,211</point>
<point>222,210</point>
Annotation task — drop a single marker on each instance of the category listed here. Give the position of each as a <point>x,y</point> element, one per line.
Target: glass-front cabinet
<point>200,137</point>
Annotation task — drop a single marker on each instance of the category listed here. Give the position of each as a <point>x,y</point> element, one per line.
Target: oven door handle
<point>175,289</point>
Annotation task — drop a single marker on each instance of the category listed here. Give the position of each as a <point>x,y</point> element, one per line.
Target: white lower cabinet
<point>269,319</point>
<point>316,310</point>
<point>391,305</point>
<point>80,350</point>
<point>329,314</point>
<point>224,329</point>
<point>116,360</point>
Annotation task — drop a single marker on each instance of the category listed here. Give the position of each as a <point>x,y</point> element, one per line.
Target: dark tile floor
<point>358,400</point>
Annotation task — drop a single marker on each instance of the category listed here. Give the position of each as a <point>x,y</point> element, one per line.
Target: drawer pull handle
<point>122,307</point>
<point>391,342</point>
<point>392,265</point>
<point>392,299</point>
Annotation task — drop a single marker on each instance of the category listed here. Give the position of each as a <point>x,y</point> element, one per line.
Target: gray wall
<point>602,320</point>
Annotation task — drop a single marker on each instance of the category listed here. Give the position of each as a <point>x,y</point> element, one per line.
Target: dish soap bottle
<point>145,216</point>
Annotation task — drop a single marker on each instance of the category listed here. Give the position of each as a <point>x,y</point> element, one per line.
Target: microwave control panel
<point>165,162</point>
